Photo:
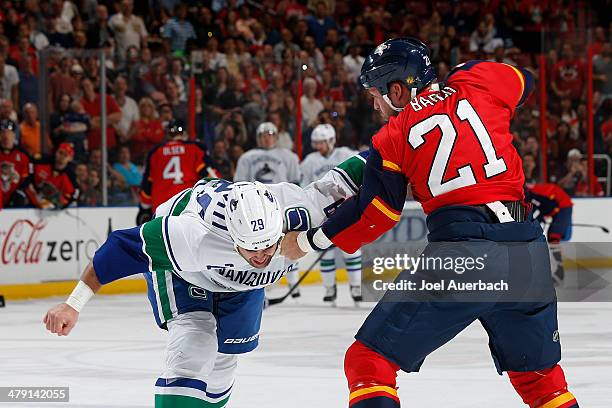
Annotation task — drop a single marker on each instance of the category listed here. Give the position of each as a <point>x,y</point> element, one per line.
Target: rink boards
<point>43,252</point>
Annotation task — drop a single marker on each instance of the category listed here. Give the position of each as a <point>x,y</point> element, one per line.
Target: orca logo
<point>197,293</point>
<point>556,336</point>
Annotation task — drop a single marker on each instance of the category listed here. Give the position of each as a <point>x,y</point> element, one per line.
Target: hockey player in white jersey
<point>326,157</point>
<point>268,163</point>
<point>206,258</point>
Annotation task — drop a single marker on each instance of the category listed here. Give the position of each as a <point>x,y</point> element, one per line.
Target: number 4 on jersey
<point>172,171</point>
<point>465,112</point>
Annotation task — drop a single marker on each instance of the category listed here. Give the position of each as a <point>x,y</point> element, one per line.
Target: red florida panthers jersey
<point>170,168</point>
<point>15,171</point>
<point>453,146</point>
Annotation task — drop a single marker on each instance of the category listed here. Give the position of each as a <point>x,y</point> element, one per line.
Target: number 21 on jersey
<point>465,177</point>
<point>172,171</point>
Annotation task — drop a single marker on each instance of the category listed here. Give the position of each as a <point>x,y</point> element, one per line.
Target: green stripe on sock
<point>163,294</point>
<point>349,263</point>
<point>183,401</point>
<point>354,169</point>
<point>180,206</point>
<point>154,245</point>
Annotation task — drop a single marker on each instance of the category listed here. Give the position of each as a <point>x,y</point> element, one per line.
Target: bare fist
<point>61,319</point>
<point>290,247</point>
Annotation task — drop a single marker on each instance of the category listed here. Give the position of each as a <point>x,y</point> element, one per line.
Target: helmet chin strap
<point>413,92</point>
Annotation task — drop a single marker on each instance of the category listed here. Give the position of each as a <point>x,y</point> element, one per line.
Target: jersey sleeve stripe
<point>353,167</point>
<point>154,246</point>
<point>346,178</point>
<point>199,168</point>
<point>389,165</point>
<point>177,200</point>
<point>520,75</point>
<point>559,401</point>
<point>385,209</point>
<point>169,245</point>
<point>162,289</point>
<point>526,83</point>
<point>182,203</point>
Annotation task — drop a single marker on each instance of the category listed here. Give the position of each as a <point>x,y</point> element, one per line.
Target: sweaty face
<point>258,259</point>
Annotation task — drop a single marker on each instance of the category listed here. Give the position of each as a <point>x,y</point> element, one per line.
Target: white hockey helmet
<point>324,133</point>
<point>253,215</point>
<point>265,128</point>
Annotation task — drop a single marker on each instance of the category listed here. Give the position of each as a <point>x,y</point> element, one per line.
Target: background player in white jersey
<point>314,166</point>
<point>206,258</point>
<point>268,163</point>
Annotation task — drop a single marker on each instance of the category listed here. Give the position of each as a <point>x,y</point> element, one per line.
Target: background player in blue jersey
<point>452,143</point>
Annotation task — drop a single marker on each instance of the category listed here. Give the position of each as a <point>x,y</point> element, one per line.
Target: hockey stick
<point>275,301</point>
<point>604,229</point>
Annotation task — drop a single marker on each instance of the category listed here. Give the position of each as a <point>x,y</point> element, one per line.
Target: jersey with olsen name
<point>315,165</point>
<point>171,167</point>
<point>189,235</point>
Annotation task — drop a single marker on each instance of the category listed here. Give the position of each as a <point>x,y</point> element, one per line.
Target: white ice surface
<point>115,353</point>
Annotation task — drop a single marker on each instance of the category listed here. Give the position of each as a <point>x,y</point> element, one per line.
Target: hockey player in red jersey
<point>451,142</point>
<point>171,167</point>
<point>553,208</point>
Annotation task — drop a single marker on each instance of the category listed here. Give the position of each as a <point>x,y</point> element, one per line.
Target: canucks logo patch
<point>297,219</point>
<point>197,293</point>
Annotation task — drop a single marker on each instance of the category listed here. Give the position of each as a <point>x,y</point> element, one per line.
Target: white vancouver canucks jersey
<point>268,166</point>
<point>189,234</point>
<point>315,165</point>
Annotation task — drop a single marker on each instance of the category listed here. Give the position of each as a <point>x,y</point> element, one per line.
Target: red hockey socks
<point>371,378</point>
<point>543,389</point>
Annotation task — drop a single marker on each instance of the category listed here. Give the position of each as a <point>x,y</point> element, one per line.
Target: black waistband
<point>516,208</point>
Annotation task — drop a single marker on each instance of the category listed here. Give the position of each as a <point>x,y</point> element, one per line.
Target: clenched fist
<point>61,319</point>
<point>290,247</point>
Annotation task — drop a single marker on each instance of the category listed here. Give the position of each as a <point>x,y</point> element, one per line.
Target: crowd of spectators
<point>228,65</point>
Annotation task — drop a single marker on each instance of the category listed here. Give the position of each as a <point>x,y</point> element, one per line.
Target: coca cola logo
<point>21,244</point>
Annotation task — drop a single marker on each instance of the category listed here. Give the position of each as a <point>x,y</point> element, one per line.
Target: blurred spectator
<point>7,112</point>
<point>353,62</point>
<point>146,132</point>
<point>69,123</point>
<point>126,179</point>
<point>221,160</point>
<point>311,106</point>
<point>568,75</point>
<point>575,181</point>
<point>484,39</point>
<point>99,31</point>
<point>129,29</point>
<point>602,71</point>
<point>285,43</point>
<point>129,109</point>
<point>30,131</point>
<point>320,22</point>
<point>67,13</point>
<point>15,169</point>
<point>284,138</point>
<point>177,31</point>
<point>65,80</point>
<point>92,196</point>
<point>91,104</point>
<point>9,81</point>
<point>530,168</point>
<point>179,77</point>
<point>54,179</point>
<point>28,83</point>
<point>81,175</point>
<point>179,107</point>
<point>206,27</point>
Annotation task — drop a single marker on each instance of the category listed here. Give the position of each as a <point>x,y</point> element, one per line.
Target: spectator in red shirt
<point>91,105</point>
<point>55,180</point>
<point>145,132</point>
<point>568,75</point>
